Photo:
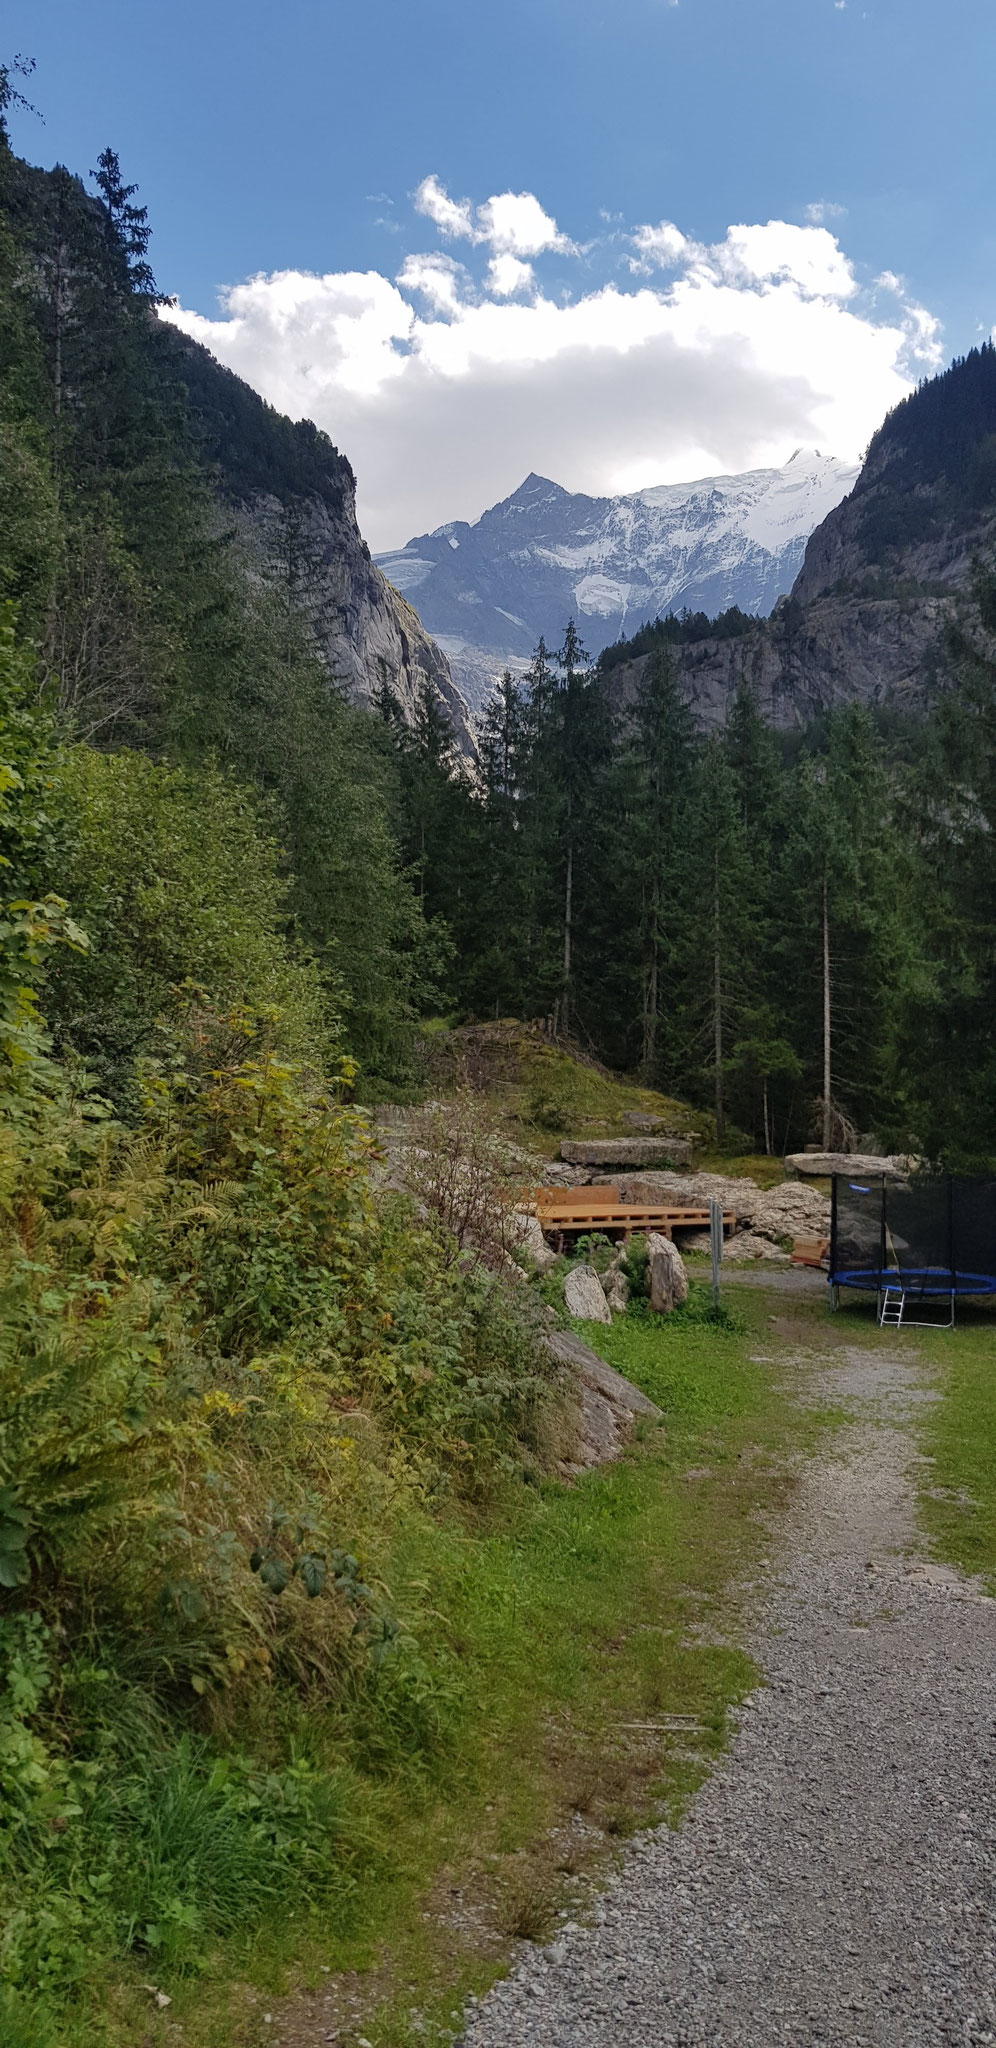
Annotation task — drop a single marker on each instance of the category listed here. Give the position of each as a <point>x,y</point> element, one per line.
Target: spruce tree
<point>664,741</point>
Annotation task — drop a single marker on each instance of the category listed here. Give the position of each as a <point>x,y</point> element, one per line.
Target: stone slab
<point>633,1151</point>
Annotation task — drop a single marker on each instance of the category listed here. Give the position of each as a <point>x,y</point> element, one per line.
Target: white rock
<point>584,1297</point>
<point>677,1276</point>
<point>615,1287</point>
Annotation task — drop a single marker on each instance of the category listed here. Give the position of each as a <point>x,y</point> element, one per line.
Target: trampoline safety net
<point>933,1235</point>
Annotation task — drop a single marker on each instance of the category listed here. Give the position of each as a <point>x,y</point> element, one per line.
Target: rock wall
<point>292,496</point>
<point>366,631</point>
<point>875,649</point>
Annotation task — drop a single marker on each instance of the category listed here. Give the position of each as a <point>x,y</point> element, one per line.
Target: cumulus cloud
<point>453,216</point>
<point>508,221</point>
<point>446,385</point>
<point>660,247</point>
<point>507,274</point>
<point>808,258</point>
<point>437,278</point>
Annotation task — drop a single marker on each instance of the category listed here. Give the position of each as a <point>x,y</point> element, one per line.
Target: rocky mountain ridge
<point>487,592</point>
<point>883,577</point>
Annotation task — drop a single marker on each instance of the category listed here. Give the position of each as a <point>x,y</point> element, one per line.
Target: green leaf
<point>274,1574</point>
<point>313,1572</point>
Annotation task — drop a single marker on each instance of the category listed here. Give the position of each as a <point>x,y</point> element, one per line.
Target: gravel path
<point>833,1881</point>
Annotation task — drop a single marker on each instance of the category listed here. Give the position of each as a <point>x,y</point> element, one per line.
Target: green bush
<point>180,888</point>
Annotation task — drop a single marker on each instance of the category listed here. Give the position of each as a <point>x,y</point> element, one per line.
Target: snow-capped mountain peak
<point>486,592</point>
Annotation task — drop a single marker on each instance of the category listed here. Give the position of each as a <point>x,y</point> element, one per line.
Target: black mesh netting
<point>933,1234</point>
<point>856,1231</point>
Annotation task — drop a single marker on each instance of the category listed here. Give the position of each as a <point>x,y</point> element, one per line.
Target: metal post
<point>715,1246</point>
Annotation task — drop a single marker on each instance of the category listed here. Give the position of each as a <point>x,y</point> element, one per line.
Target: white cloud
<point>516,221</point>
<point>437,277</point>
<point>922,328</point>
<point>809,258</point>
<point>448,385</point>
<point>507,274</point>
<point>663,246</point>
<point>453,216</point>
<point>509,221</point>
<point>821,210</point>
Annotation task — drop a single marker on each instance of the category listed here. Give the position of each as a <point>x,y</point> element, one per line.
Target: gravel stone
<point>833,1882</point>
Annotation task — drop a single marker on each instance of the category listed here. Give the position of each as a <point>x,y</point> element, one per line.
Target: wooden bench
<point>576,1211</point>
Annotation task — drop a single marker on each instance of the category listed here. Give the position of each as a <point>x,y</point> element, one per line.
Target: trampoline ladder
<point>893,1304</point>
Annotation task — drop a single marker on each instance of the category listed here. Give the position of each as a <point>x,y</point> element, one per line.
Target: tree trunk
<point>767,1119</point>
<point>651,990</point>
<point>568,934</point>
<point>827,1132</point>
<point>717,1006</point>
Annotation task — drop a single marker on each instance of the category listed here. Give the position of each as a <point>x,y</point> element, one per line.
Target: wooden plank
<point>810,1251</point>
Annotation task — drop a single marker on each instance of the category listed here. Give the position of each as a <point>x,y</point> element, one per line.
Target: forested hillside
<point>794,930</point>
<point>245,1390</point>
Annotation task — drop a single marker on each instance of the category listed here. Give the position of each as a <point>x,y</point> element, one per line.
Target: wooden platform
<point>576,1211</point>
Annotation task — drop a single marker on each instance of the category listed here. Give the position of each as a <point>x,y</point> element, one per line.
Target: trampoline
<point>919,1243</point>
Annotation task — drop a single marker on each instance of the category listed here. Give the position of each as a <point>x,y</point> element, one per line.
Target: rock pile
<point>765,1216</point>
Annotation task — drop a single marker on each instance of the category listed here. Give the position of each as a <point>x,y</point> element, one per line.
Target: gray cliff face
<point>365,630</point>
<point>292,496</point>
<point>866,541</point>
<point>873,651</point>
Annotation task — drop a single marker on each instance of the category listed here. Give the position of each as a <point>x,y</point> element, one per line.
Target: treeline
<point>797,932</point>
<point>151,633</point>
<point>679,629</point>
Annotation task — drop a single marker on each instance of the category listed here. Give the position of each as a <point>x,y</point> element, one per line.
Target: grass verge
<point>958,1500</point>
<point>587,1640</point>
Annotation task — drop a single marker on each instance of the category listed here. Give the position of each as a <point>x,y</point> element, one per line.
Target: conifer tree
<point>664,740</point>
<point>720,943</point>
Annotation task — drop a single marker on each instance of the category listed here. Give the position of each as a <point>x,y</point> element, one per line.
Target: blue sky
<point>294,140</point>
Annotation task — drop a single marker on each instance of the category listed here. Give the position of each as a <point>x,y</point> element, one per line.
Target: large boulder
<point>529,1237</point>
<point>608,1406</point>
<point>627,1151</point>
<point>820,1165</point>
<point>668,1278</point>
<point>584,1297</point>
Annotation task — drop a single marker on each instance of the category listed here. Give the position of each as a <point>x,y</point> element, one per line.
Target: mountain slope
<point>294,496</point>
<point>884,576</point>
<point>488,591</point>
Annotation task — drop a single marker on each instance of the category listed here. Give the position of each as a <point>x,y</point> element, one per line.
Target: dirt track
<point>833,1882</point>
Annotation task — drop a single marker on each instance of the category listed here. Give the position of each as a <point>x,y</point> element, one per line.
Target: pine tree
<point>664,740</point>
<point>126,230</point>
<point>721,942</point>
